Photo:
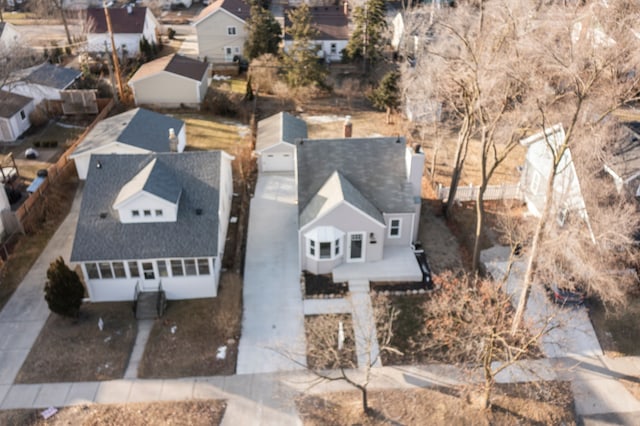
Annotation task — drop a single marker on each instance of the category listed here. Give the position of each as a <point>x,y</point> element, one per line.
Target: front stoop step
<point>150,304</point>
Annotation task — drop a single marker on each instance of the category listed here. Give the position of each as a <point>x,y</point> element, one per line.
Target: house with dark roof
<point>332,26</point>
<point>623,162</point>
<point>154,222</point>
<point>220,28</point>
<point>14,115</point>
<point>359,206</point>
<point>171,81</point>
<point>129,24</point>
<point>275,142</point>
<point>42,82</point>
<point>137,131</point>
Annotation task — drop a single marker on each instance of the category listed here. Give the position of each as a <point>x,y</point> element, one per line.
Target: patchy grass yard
<point>194,413</point>
<point>322,345</point>
<point>545,403</point>
<point>207,132</point>
<point>76,350</point>
<point>29,246</point>
<point>185,341</point>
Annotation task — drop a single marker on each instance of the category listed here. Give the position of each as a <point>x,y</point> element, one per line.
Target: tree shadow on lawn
<point>76,350</point>
<point>185,341</point>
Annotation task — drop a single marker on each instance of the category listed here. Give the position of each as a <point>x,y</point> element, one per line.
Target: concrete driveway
<point>24,315</point>
<point>571,332</point>
<point>273,318</point>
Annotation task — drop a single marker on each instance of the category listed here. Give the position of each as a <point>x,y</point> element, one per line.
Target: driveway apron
<point>273,319</point>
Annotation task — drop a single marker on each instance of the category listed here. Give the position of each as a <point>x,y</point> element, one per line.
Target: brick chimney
<point>173,141</point>
<point>348,126</point>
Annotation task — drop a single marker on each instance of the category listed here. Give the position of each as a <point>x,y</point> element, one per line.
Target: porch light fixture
<point>372,238</point>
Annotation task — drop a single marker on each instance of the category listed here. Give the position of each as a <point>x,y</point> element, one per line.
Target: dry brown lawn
<point>546,403</point>
<point>185,341</point>
<point>208,132</point>
<point>76,350</point>
<point>194,413</point>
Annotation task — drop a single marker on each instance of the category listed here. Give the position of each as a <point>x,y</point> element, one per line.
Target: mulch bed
<point>315,285</point>
<point>543,403</point>
<point>397,286</point>
<point>185,341</point>
<point>195,413</point>
<point>76,350</point>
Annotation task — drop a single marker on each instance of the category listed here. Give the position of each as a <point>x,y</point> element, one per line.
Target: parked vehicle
<point>564,296</point>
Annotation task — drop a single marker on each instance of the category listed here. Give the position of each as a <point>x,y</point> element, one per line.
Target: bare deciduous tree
<point>587,60</point>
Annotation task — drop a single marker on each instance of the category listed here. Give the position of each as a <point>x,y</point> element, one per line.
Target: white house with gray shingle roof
<point>275,142</point>
<point>42,82</point>
<point>14,115</point>
<point>154,221</point>
<point>358,199</point>
<point>136,131</point>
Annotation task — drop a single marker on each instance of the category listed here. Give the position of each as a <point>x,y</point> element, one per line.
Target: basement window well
<point>324,243</point>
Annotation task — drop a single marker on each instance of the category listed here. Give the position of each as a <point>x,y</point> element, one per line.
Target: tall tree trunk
<point>365,401</point>
<point>480,213</point>
<point>537,236</point>
<point>58,5</point>
<point>461,154</point>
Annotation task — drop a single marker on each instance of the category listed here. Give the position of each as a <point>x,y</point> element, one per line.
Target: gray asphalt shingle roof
<point>336,189</point>
<point>194,234</point>
<point>138,127</point>
<point>281,127</point>
<point>12,103</point>
<point>375,168</point>
<point>53,76</point>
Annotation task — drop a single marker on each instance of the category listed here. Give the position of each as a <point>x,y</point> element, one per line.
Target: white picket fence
<point>493,192</point>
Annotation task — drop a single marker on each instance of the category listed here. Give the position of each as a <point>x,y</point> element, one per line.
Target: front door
<point>149,281</point>
<point>356,246</point>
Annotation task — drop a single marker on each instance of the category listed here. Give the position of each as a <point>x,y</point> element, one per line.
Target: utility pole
<point>365,37</point>
<point>114,54</point>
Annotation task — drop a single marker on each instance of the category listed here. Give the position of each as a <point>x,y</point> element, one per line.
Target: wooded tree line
<point>506,69</point>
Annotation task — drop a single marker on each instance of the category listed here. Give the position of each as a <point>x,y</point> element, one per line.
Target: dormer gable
<point>153,195</point>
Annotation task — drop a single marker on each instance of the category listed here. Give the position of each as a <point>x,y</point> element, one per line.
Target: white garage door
<point>277,162</point>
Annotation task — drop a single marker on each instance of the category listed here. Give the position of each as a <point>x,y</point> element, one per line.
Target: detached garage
<point>275,142</point>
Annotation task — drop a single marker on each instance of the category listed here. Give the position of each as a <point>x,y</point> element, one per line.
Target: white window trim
<point>235,30</point>
<point>364,247</point>
<point>390,235</point>
<point>335,235</point>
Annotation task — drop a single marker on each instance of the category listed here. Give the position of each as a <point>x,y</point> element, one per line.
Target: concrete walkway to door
<point>273,318</point>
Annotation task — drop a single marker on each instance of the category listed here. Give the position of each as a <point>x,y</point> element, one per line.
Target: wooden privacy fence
<point>64,167</point>
<point>470,192</point>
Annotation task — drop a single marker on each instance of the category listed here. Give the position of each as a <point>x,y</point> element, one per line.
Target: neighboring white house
<point>275,142</point>
<point>332,25</point>
<point>129,24</point>
<point>155,221</point>
<point>171,81</point>
<point>137,131</point>
<point>9,37</point>
<point>14,115</point>
<point>359,205</point>
<point>42,82</point>
<point>220,29</point>
<point>538,166</point>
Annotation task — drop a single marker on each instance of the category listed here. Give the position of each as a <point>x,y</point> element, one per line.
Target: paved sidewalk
<point>25,313</point>
<point>273,317</point>
<point>144,329</point>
